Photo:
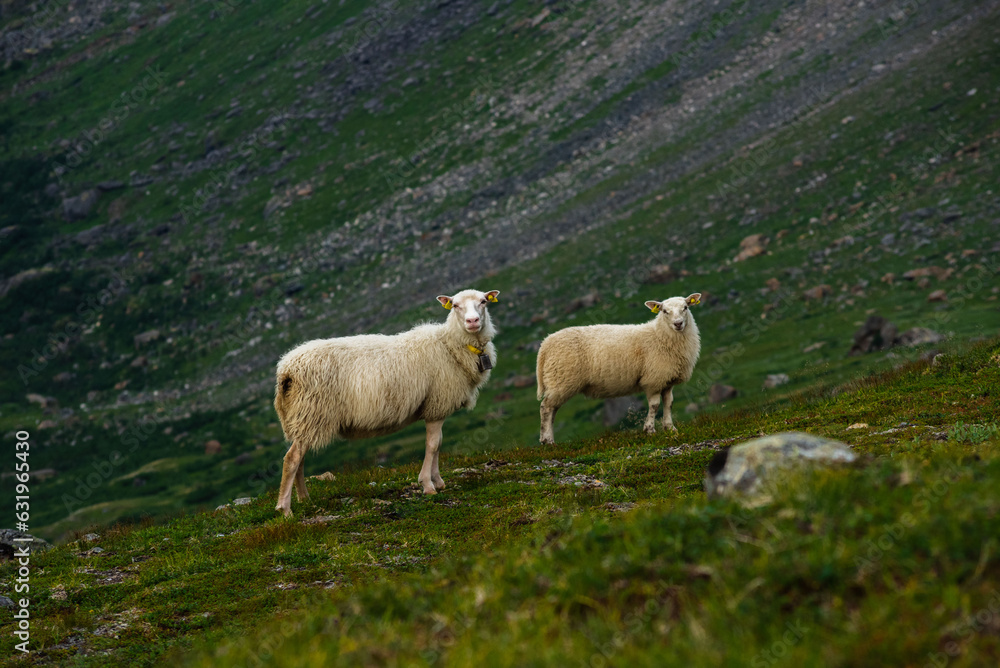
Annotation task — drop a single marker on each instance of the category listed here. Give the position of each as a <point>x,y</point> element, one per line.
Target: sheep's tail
<point>282,390</point>
<point>538,373</point>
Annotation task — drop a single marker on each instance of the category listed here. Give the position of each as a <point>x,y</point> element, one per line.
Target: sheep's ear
<point>693,299</point>
<point>491,296</point>
<point>654,306</point>
<point>445,301</point>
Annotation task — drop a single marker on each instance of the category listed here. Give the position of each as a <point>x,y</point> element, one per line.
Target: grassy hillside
<point>265,175</point>
<point>601,552</point>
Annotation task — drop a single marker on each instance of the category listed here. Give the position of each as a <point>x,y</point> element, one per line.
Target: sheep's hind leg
<point>288,472</point>
<point>653,399</point>
<point>668,401</point>
<point>300,481</point>
<point>547,413</point>
<point>430,457</point>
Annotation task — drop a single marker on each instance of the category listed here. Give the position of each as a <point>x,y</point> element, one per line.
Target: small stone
<point>328,476</point>
<point>242,501</point>
<point>774,380</point>
<point>916,336</point>
<point>91,537</point>
<point>859,425</point>
<point>719,393</point>
<point>938,296</point>
<point>617,409</point>
<point>7,603</point>
<point>520,381</point>
<point>79,207</point>
<point>213,447</point>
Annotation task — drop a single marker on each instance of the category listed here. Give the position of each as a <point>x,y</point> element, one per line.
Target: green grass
<point>514,564</point>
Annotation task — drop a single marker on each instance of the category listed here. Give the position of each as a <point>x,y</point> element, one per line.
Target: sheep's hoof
<point>671,428</point>
<point>547,441</point>
<point>287,512</point>
<point>649,430</point>
<point>438,484</point>
<point>429,490</point>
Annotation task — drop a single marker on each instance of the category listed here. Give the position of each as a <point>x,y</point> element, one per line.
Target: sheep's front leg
<point>293,458</point>
<point>435,471</point>
<point>653,398</point>
<point>430,457</point>
<point>668,401</point>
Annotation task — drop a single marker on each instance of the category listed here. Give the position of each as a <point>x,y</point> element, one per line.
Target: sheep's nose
<point>472,321</point>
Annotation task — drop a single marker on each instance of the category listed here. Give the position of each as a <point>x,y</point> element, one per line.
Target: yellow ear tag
<point>492,298</point>
<point>696,301</point>
<point>447,304</point>
<point>655,309</point>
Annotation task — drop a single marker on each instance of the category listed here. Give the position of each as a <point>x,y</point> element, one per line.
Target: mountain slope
<point>317,170</point>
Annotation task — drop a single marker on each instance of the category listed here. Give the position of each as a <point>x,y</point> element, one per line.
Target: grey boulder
<point>746,470</point>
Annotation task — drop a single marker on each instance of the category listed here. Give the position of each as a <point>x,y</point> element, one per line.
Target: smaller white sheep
<point>604,361</point>
<point>363,386</point>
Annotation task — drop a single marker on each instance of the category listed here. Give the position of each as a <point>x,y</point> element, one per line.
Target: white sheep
<point>604,361</point>
<point>370,385</point>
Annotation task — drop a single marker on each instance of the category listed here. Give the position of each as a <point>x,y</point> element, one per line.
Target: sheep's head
<point>470,307</point>
<point>675,310</point>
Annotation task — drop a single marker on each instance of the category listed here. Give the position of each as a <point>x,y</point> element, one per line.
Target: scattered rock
<point>7,603</point>
<point>938,296</point>
<point>146,337</point>
<point>11,540</point>
<point>213,447</point>
<point>774,380</point>
<point>139,361</point>
<point>242,501</point>
<point>752,246</point>
<point>107,186</point>
<point>324,476</point>
<point>661,273</point>
<point>812,347</point>
<point>520,381</point>
<point>242,458</point>
<point>617,409</point>
<point>91,537</point>
<point>64,377</point>
<point>876,334</point>
<point>79,207</point>
<point>585,301</point>
<point>819,292</point>
<point>917,336</point>
<point>745,470</point>
<point>90,236</point>
<point>719,393</point>
<point>859,425</point>
<point>692,408</point>
<point>772,284</point>
<point>48,424</point>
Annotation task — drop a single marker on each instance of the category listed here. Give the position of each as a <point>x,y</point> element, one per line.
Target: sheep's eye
<point>482,301</point>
